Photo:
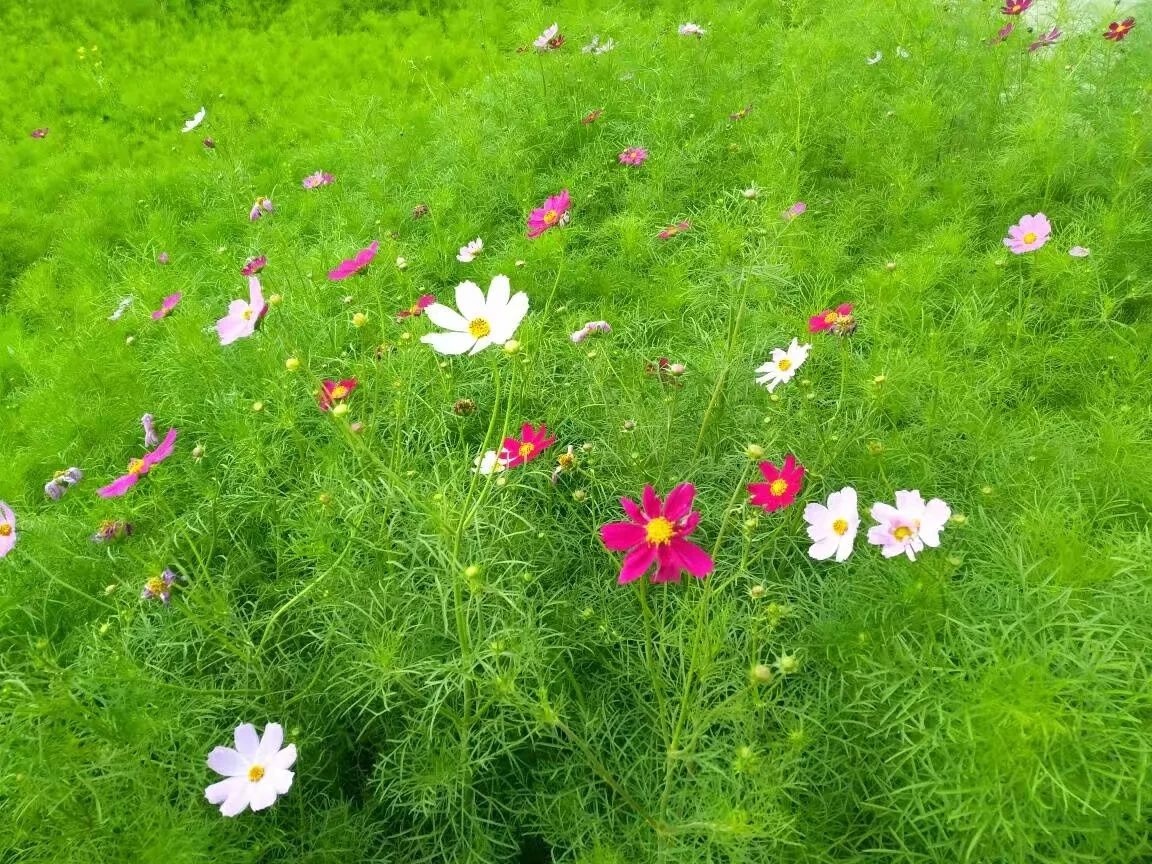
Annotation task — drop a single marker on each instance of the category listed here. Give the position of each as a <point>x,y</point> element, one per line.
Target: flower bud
<point>340,409</point>
<point>754,452</point>
<point>292,364</point>
<point>511,346</point>
<point>761,673</point>
<point>757,591</point>
<point>275,300</point>
<point>257,406</point>
<point>359,319</point>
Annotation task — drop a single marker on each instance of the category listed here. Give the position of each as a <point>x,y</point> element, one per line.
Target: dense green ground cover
<point>461,673</point>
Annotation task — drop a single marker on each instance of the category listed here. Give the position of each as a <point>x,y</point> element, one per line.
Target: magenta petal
<point>695,560</point>
<point>637,562</point>
<point>669,566</point>
<point>163,451</point>
<point>679,502</point>
<point>651,502</point>
<point>619,536</point>
<point>633,510</point>
<point>118,487</point>
<point>689,524</point>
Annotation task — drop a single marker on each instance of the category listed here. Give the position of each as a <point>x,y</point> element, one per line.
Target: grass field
<point>451,653</point>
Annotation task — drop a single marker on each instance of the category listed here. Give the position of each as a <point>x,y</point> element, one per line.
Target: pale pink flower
<point>797,209</point>
<point>7,529</point>
<point>257,770</point>
<point>909,526</point>
<point>634,156</point>
<point>166,306</point>
<point>320,178</point>
<point>263,205</point>
<point>242,317</point>
<point>832,527</point>
<point>549,40</point>
<point>469,252</point>
<point>1030,233</point>
<point>691,29</point>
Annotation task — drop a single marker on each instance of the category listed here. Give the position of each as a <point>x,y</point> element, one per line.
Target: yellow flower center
<point>1030,237</point>
<point>155,585</point>
<point>779,486</point>
<point>830,318</point>
<point>526,449</point>
<point>840,526</point>
<point>5,529</point>
<point>659,531</point>
<point>247,314</point>
<point>566,460</point>
<point>550,217</point>
<point>784,364</point>
<point>902,533</point>
<point>256,773</point>
<point>136,466</point>
<point>339,391</point>
<point>479,328</point>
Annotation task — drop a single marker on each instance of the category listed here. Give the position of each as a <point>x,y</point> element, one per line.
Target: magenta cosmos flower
<point>242,317</point>
<point>553,212</point>
<point>263,205</point>
<point>1029,234</point>
<point>254,265</point>
<point>781,484</point>
<point>1046,39</point>
<point>655,534</point>
<point>532,442</point>
<point>333,392</point>
<point>417,308</point>
<point>166,306</point>
<point>7,529</point>
<point>634,156</point>
<point>320,178</point>
<point>838,320</point>
<point>1002,34</point>
<point>1015,7</point>
<point>256,771</point>
<point>351,266</point>
<point>137,468</point>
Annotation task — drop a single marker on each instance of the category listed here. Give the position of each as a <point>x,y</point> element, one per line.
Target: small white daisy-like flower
<point>481,321</point>
<point>875,58</point>
<point>256,771</point>
<point>691,29</point>
<point>833,526</point>
<point>196,120</point>
<point>467,254</point>
<point>598,47</point>
<point>782,367</point>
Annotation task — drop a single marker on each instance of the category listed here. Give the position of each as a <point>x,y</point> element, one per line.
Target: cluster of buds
<point>590,328</point>
<point>666,372</point>
<point>61,482</point>
<point>111,530</point>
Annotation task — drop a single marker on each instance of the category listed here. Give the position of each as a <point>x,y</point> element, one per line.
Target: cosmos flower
<point>797,209</point>
<point>780,485</point>
<point>672,230</point>
<point>832,527</point>
<point>196,120</point>
<point>468,253</point>
<point>263,205</point>
<point>349,267</point>
<point>481,321</point>
<point>121,308</point>
<point>552,213</point>
<point>137,468</point>
<point>909,526</point>
<point>549,40</point>
<point>1045,39</point>
<point>42,132</point>
<point>163,258</point>
<point>160,587</point>
<point>1002,34</point>
<point>61,482</point>
<point>838,320</point>
<point>598,47</point>
<point>1116,31</point>
<point>875,58</point>
<point>902,52</point>
<point>401,262</point>
<point>566,461</point>
<point>783,366</point>
<point>254,265</point>
<point>592,116</point>
<point>1015,7</point>
<point>590,328</point>
<point>531,443</point>
<point>242,317</point>
<point>112,529</point>
<point>1029,234</point>
<point>151,439</point>
<point>320,178</point>
<point>656,533</point>
<point>691,29</point>
<point>256,771</point>
<point>335,391</point>
<point>634,156</point>
<point>489,463</point>
<point>166,306</point>
<point>7,529</point>
<point>1079,251</point>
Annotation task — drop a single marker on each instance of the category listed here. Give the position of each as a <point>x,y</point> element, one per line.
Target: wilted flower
<point>7,529</point>
<point>1079,251</point>
<point>592,116</point>
<point>263,205</point>
<point>335,391</point>
<point>468,253</point>
<point>656,534</point>
<point>751,193</point>
<point>348,267</point>
<point>741,114</point>
<point>532,442</point>
<point>549,40</point>
<point>40,133</point>
<point>166,306</point>
<point>256,771</point>
<point>137,468</point>
<point>564,462</point>
<point>151,439</point>
<point>419,211</point>
<point>1030,233</point>
<point>909,526</point>
<point>242,317</point>
<point>781,484</point>
<point>838,320</point>
<point>554,212</point>
<point>320,178</point>
<point>691,29</point>
<point>417,308</point>
<point>121,308</point>
<point>672,230</point>
<point>254,265</point>
<point>1002,34</point>
<point>1015,7</point>
<point>401,262</point>
<point>1046,39</point>
<point>598,47</point>
<point>795,210</point>
<point>481,321</point>
<point>832,527</point>
<point>633,156</point>
<point>160,587</point>
<point>783,365</point>
<point>463,407</point>
<point>1116,30</point>
<point>112,529</point>
<point>196,120</point>
<point>61,482</point>
<point>489,463</point>
<point>590,328</point>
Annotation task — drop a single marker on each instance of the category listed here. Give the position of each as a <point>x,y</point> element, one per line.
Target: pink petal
<point>695,560</point>
<point>118,487</point>
<point>619,536</point>
<point>637,562</point>
<point>679,502</point>
<point>651,502</point>
<point>247,741</point>
<point>163,451</point>
<point>632,509</point>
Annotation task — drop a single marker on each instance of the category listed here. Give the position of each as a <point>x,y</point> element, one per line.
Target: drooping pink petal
<point>637,562</point>
<point>619,536</point>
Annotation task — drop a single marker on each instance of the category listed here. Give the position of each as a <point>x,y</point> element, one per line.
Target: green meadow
<point>451,653</point>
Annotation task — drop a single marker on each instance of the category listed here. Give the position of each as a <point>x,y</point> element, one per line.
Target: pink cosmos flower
<point>655,534</point>
<point>838,320</point>
<point>1029,234</point>
<point>137,468</point>
<point>7,529</point>
<point>909,526</point>
<point>363,258</point>
<point>1015,7</point>
<point>797,209</point>
<point>634,156</point>
<point>320,178</point>
<point>263,205</point>
<point>1046,39</point>
<point>40,133</point>
<point>242,318</point>
<point>781,484</point>
<point>672,230</point>
<point>160,587</point>
<point>256,771</point>
<point>549,40</point>
<point>61,482</point>
<point>691,29</point>
<point>254,265</point>
<point>554,212</point>
<point>162,258</point>
<point>335,391</point>
<point>417,308</point>
<point>531,443</point>
<point>166,306</point>
<point>1002,34</point>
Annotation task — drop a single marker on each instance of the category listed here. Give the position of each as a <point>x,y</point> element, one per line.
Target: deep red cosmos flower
<point>1117,30</point>
<point>781,486</point>
<point>335,391</point>
<point>531,443</point>
<point>655,534</point>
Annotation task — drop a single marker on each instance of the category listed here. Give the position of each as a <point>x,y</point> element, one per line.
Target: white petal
<point>446,317</point>
<point>218,793</point>
<point>910,504</point>
<point>239,797</point>
<point>470,300</point>
<point>824,548</point>
<point>499,289</point>
<point>504,326</point>
<point>816,514</point>
<point>281,781</point>
<point>247,741</point>
<point>283,760</point>
<point>270,742</point>
<point>481,344</point>
<point>844,547</point>
<point>263,794</point>
<point>449,343</point>
<point>227,762</point>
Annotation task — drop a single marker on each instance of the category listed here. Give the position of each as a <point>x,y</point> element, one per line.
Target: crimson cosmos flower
<point>655,534</point>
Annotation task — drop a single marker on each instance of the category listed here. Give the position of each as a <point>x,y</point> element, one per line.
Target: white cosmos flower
<point>875,58</point>
<point>481,321</point>
<point>783,365</point>
<point>598,47</point>
<point>189,125</point>
<point>542,42</point>
<point>489,463</point>
<point>256,771</point>
<point>691,29</point>
<point>833,526</point>
<point>909,526</point>
<point>467,254</point>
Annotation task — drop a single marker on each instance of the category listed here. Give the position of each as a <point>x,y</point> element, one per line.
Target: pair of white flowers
<point>901,530</point>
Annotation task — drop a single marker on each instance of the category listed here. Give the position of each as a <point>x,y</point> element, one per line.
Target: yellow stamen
<point>155,585</point>
<point>247,314</point>
<point>1030,237</point>
<point>902,533</point>
<point>550,217</point>
<point>339,391</point>
<point>136,466</point>
<point>830,318</point>
<point>479,328</point>
<point>779,486</point>
<point>5,529</point>
<point>784,364</point>
<point>256,773</point>
<point>659,531</point>
<point>840,526</point>
<point>566,460</point>
<point>526,449</point>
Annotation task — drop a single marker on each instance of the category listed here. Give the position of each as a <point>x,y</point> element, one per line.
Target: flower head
<point>490,463</point>
<point>419,211</point>
<point>1046,39</point>
<point>656,533</point>
<point>351,266</point>
<point>61,482</point>
<point>590,328</point>
<point>468,253</point>
<point>549,40</point>
<point>196,120</point>
<point>875,58</point>
<point>691,29</point>
<point>592,116</point>
<point>254,265</point>
<point>566,461</point>
<point>672,230</point>
<point>42,132</point>
<point>782,367</point>
<point>838,320</point>
<point>481,321</point>
<point>780,486</point>
<point>1030,233</point>
<point>151,439</point>
<point>417,308</point>
<point>532,442</point>
<point>263,205</point>
<point>120,309</point>
<point>1079,251</point>
<point>160,587</point>
<point>909,526</point>
<point>256,771</point>
<point>797,209</point>
<point>242,317</point>
<point>209,144</point>
<point>552,213</point>
<point>1002,34</point>
<point>832,527</point>
<point>333,392</point>
<point>634,156</point>
<point>112,529</point>
<point>1116,31</point>
<point>1015,7</point>
<point>320,178</point>
<point>166,306</point>
<point>163,258</point>
<point>598,47</point>
<point>7,529</point>
<point>137,468</point>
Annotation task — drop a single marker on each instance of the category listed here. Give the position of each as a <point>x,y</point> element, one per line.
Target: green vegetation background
<point>987,703</point>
